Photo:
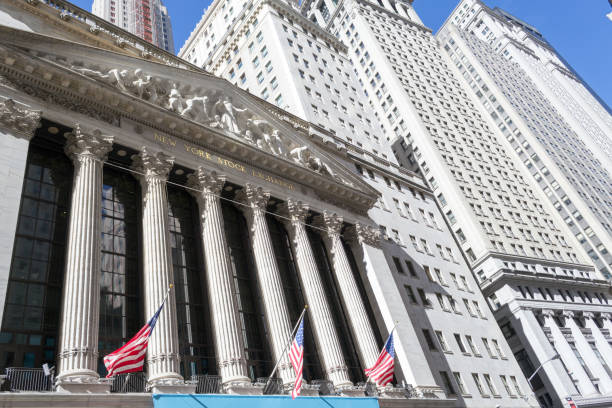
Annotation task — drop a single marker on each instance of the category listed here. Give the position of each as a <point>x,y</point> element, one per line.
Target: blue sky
<point>579,30</point>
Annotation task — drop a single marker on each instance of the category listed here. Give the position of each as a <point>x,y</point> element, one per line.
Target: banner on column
<point>264,401</point>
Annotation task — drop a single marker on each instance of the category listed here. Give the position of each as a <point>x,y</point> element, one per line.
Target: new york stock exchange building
<point>126,170</point>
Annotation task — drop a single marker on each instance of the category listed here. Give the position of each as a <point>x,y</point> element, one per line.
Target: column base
<point>171,384</point>
<point>307,390</point>
<point>84,384</point>
<point>430,391</point>
<point>352,391</point>
<point>391,392</point>
<point>241,387</point>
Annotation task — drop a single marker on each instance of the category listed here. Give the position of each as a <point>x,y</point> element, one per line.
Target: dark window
<point>196,345</point>
<point>429,340</point>
<point>398,265</point>
<point>411,270</point>
<point>450,390</point>
<point>507,330</point>
<point>294,295</point>
<point>247,292</point>
<point>31,315</point>
<point>120,279</point>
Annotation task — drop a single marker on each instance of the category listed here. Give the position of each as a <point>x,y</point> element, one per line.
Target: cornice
<point>57,84</point>
<point>506,276</point>
<point>530,259</point>
<point>97,31</point>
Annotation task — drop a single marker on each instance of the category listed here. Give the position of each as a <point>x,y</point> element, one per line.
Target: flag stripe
<point>296,355</point>
<point>382,370</point>
<point>129,358</point>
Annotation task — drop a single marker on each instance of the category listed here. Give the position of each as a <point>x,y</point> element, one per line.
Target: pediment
<point>191,105</point>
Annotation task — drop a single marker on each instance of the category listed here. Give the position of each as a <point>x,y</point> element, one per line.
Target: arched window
<point>248,295</point>
<point>294,295</point>
<point>120,280</point>
<point>193,314</point>
<point>30,325</point>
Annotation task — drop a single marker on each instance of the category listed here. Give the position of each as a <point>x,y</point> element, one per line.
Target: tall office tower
<point>515,240</point>
<point>550,122</point>
<point>147,19</point>
<point>561,132</point>
<point>445,338</point>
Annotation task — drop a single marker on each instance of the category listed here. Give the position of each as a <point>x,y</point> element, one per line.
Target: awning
<point>263,401</point>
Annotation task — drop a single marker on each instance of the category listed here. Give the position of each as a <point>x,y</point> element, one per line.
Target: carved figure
<point>175,100</point>
<point>276,144</point>
<point>144,87</point>
<point>227,115</point>
<point>113,77</point>
<point>198,109</point>
<point>303,156</point>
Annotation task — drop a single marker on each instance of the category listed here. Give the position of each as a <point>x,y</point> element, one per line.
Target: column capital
<point>207,181</point>
<point>333,223</point>
<point>548,313</point>
<point>606,316</point>
<point>255,196</point>
<point>588,315</point>
<point>367,234</point>
<point>21,120</point>
<point>157,165</point>
<point>297,210</point>
<point>82,143</point>
<point>568,314</point>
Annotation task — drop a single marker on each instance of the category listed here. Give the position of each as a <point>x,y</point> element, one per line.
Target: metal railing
<point>273,387</point>
<point>207,384</point>
<point>27,379</point>
<point>326,387</point>
<point>131,382</point>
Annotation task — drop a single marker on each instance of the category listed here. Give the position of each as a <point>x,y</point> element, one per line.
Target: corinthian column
<point>600,340</point>
<point>320,314</point>
<point>588,355</point>
<point>17,127</point>
<point>268,275</point>
<point>358,318</point>
<point>567,355</point>
<point>225,313</point>
<point>78,351</point>
<point>163,351</point>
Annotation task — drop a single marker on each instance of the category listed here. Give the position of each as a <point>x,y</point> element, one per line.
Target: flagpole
<point>381,350</point>
<point>286,347</point>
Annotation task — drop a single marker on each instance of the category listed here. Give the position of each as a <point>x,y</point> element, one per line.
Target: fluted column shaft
<point>320,313</point>
<point>270,282</point>
<point>606,319</point>
<point>358,318</point>
<point>567,355</point>
<point>600,340</point>
<point>78,351</point>
<point>163,361</point>
<point>587,353</point>
<point>229,349</point>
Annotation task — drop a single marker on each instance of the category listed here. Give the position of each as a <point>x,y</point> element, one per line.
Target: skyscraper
<point>560,132</point>
<point>498,212</point>
<point>147,19</point>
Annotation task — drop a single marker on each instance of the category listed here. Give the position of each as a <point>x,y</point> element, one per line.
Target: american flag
<point>382,371</point>
<point>296,355</point>
<point>130,357</point>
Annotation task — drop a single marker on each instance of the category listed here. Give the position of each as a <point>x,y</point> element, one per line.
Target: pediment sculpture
<point>212,108</point>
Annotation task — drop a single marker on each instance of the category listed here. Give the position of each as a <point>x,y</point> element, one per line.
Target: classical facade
<point>127,170</point>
